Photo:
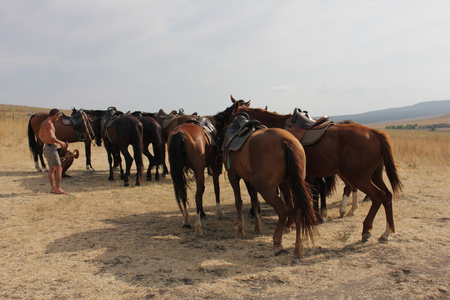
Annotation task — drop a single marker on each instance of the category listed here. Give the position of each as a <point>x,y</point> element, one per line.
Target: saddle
<point>168,119</point>
<point>306,129</point>
<point>77,121</point>
<point>208,127</point>
<point>111,115</point>
<point>238,133</point>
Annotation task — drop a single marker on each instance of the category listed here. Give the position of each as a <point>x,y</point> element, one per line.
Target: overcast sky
<point>328,57</point>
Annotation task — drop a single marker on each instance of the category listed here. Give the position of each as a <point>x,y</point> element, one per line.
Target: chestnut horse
<point>118,131</point>
<point>354,152</point>
<point>167,128</point>
<point>190,148</point>
<point>63,132</point>
<point>272,158</point>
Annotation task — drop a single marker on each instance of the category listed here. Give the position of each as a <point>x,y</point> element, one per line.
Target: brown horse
<point>169,123</point>
<point>272,158</point>
<point>79,129</point>
<point>118,131</point>
<point>195,146</point>
<point>354,152</point>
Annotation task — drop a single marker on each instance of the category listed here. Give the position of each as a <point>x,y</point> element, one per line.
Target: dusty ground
<point>106,241</point>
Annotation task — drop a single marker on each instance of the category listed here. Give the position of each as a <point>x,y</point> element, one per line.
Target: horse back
<point>198,149</point>
<point>344,146</point>
<point>263,154</point>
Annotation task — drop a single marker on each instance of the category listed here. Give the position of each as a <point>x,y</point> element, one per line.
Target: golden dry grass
<point>105,241</point>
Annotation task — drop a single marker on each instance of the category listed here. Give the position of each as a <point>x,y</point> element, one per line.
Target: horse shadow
<point>153,250</point>
<point>80,181</point>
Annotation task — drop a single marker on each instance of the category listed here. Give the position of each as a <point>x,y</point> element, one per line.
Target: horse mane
<point>266,112</point>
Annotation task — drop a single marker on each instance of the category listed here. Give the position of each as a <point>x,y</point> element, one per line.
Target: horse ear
<point>232,99</point>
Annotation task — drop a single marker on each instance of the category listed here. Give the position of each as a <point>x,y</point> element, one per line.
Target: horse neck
<point>267,118</point>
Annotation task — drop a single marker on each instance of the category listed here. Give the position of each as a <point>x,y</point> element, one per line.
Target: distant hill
<point>420,110</point>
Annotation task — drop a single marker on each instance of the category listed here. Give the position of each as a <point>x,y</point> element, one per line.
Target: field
<point>106,241</point>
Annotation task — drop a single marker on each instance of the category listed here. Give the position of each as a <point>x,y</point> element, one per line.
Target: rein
<point>87,125</point>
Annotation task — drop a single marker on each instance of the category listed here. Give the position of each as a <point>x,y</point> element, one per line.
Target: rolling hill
<point>412,112</point>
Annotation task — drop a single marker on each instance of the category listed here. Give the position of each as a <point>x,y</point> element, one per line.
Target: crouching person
<point>67,157</point>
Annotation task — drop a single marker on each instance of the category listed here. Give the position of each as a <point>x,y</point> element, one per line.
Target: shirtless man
<point>47,135</point>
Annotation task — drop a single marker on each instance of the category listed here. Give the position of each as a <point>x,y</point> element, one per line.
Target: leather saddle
<point>239,131</point>
<point>168,119</point>
<point>78,121</point>
<point>208,127</point>
<point>306,129</point>
<point>109,117</point>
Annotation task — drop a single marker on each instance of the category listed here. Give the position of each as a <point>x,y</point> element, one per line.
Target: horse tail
<point>136,140</point>
<point>388,159</point>
<point>300,189</point>
<point>178,165</point>
<point>32,138</point>
<point>330,183</point>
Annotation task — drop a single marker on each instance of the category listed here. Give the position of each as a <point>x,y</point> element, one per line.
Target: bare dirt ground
<point>106,241</point>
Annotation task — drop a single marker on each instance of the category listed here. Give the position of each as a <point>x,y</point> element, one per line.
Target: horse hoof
<point>187,226</point>
<point>279,250</point>
<point>126,184</point>
<point>298,254</point>
<point>365,237</point>
<point>384,239</point>
<point>342,214</point>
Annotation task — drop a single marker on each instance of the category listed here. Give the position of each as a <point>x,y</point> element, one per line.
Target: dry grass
<point>416,148</point>
<point>105,241</point>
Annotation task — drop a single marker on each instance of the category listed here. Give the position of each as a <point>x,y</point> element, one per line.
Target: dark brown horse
<point>152,135</point>
<point>272,158</point>
<point>78,127</point>
<point>354,152</point>
<point>118,131</point>
<point>194,146</point>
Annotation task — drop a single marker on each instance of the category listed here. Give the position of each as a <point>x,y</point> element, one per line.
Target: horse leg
<point>355,204</point>
<point>39,153</point>
<point>44,167</point>
<point>377,179</point>
<point>255,210</point>
<point>200,183</point>
<point>271,197</point>
<point>234,181</point>
<point>251,191</point>
<point>286,194</point>
<point>216,175</point>
<point>323,201</point>
<point>181,200</point>
<point>377,195</point>
<point>87,148</point>
<point>128,163</point>
<point>151,162</point>
<point>110,162</point>
<point>315,192</point>
<point>345,197</point>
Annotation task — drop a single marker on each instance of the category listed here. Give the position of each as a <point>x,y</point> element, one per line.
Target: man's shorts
<point>52,156</point>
